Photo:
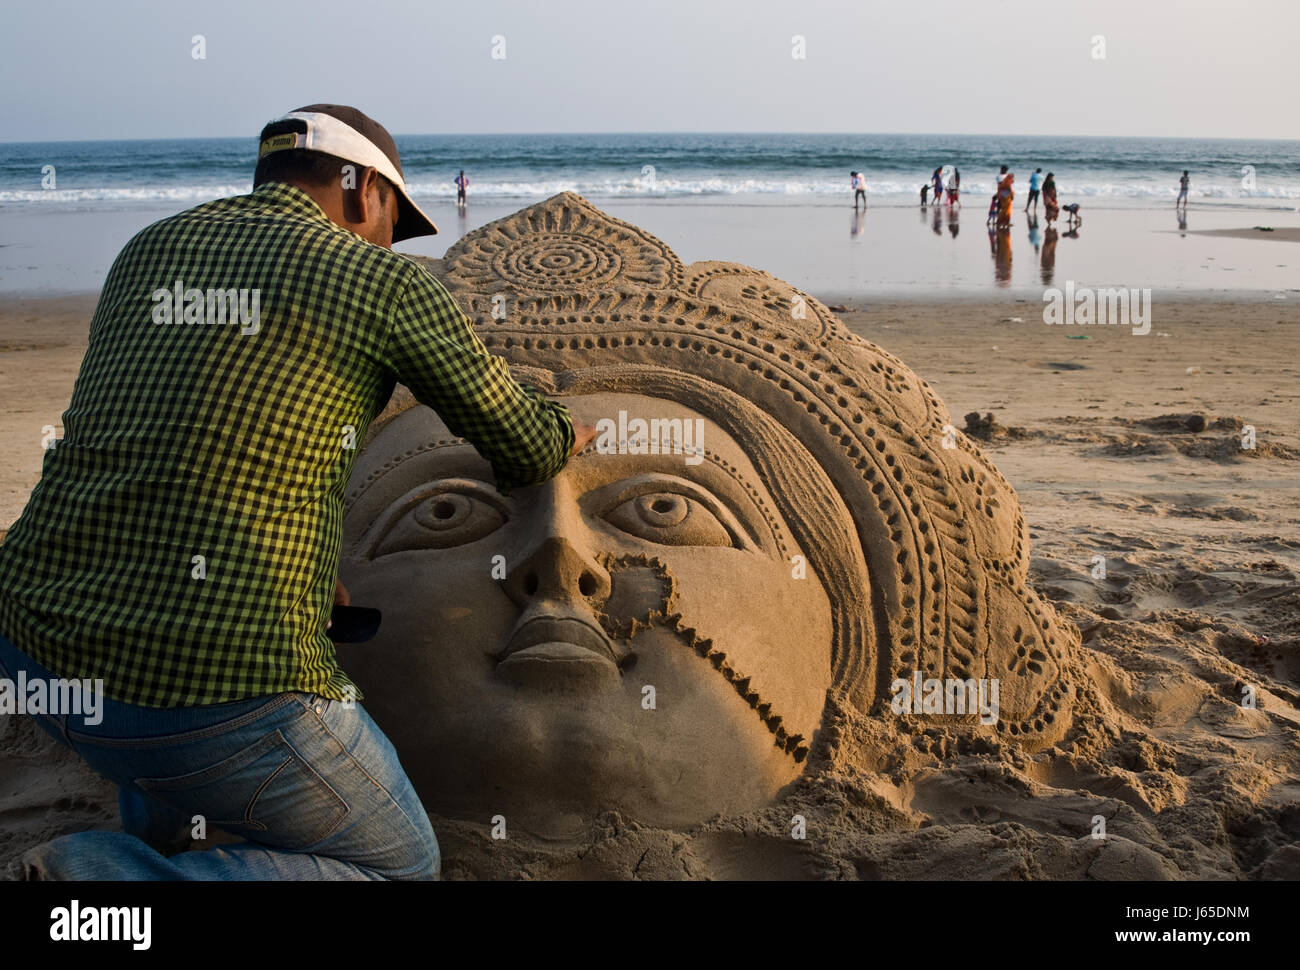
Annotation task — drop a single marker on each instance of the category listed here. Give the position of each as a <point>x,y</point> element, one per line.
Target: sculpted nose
<point>557,565</point>
<point>557,571</point>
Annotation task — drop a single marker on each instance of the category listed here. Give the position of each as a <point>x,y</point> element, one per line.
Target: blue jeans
<point>311,784</point>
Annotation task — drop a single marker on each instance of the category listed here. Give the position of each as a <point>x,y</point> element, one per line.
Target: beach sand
<point>1123,447</point>
<point>1278,233</point>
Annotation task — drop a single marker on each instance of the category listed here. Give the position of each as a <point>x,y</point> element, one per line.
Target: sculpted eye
<point>671,519</point>
<point>444,512</point>
<point>440,515</point>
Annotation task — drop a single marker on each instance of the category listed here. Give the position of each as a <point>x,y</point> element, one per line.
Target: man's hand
<point>583,435</point>
<point>341,598</point>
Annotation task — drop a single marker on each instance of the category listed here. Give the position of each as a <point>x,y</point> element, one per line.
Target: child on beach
<point>1073,219</point>
<point>1183,184</point>
<point>925,191</point>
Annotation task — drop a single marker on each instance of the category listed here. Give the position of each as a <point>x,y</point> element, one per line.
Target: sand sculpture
<point>660,633</point>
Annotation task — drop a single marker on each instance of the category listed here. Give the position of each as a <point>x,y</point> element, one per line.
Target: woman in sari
<point>1006,194</point>
<point>1050,206</point>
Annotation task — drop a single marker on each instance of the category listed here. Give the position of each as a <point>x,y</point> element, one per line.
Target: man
<point>1183,184</point>
<point>462,183</point>
<point>1035,182</point>
<point>181,547</point>
<point>859,183</point>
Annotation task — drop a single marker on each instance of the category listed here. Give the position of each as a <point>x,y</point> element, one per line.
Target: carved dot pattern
<point>557,246</point>
<point>558,261</point>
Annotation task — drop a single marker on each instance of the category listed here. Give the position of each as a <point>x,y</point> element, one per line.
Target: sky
<point>127,68</point>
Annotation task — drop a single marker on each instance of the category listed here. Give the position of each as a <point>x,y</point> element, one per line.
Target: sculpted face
<point>628,636</point>
<point>660,634</point>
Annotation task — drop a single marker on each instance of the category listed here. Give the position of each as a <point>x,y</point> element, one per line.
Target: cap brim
<point>411,220</point>
<point>321,131</point>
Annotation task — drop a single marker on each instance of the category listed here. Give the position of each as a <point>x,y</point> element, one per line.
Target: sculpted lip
<point>558,638</point>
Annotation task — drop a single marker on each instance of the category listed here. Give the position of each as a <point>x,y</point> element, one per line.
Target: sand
<point>1276,233</point>
<point>42,341</point>
<point>1200,598</point>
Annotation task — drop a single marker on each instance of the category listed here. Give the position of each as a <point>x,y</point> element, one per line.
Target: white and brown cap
<point>345,132</point>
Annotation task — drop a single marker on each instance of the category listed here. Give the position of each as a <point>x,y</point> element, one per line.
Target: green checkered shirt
<point>182,543</point>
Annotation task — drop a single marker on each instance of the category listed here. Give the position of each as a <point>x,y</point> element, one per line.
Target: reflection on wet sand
<point>1000,248</point>
<point>1121,245</point>
<point>1047,265</point>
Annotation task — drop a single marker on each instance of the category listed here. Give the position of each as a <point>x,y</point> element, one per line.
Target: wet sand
<point>889,251</point>
<point>1275,233</point>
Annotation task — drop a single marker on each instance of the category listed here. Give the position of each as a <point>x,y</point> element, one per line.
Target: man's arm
<point>433,350</point>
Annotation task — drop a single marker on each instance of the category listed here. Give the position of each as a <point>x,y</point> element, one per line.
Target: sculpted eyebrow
<point>454,457</point>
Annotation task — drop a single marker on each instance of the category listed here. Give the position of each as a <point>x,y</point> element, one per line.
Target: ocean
<point>778,202</point>
<point>742,168</point>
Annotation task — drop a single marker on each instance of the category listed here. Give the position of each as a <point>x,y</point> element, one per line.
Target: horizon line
<point>841,134</point>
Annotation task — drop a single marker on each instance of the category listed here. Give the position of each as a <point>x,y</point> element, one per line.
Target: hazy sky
<point>124,69</point>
